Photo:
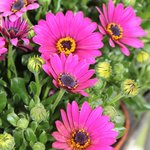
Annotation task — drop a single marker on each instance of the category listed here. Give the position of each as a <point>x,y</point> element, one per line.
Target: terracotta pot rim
<point>127,126</point>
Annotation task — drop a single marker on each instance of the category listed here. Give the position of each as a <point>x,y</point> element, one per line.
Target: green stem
<point>115,99</point>
<point>58,5</point>
<point>59,97</point>
<point>104,85</point>
<point>46,92</point>
<point>38,85</point>
<point>25,16</point>
<point>142,71</point>
<point>11,63</point>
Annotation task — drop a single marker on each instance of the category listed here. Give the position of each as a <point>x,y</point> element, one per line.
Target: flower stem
<point>115,99</point>
<point>38,85</point>
<point>25,16</point>
<point>11,64</point>
<point>59,97</point>
<point>58,5</point>
<point>142,71</point>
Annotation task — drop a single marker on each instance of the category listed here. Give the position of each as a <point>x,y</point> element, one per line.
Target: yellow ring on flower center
<point>66,45</point>
<point>115,31</point>
<point>22,3</point>
<point>80,140</point>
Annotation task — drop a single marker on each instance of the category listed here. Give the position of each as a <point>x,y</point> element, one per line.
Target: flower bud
<point>104,70</point>
<point>6,142</point>
<point>38,146</point>
<point>35,64</point>
<point>38,113</point>
<point>22,123</point>
<point>110,111</point>
<point>142,57</point>
<point>119,72</point>
<point>119,68</point>
<point>130,87</point>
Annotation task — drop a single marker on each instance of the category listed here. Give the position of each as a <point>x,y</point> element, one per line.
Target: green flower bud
<point>38,113</point>
<point>35,64</point>
<point>6,142</point>
<point>142,57</point>
<point>22,123</point>
<point>119,72</point>
<point>110,111</point>
<point>104,70</point>
<point>119,68</point>
<point>38,146</point>
<point>130,87</point>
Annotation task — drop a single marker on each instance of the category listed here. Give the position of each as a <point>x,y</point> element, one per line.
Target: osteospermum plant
<point>63,77</point>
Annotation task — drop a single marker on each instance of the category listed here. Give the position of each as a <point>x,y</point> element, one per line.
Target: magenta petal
<point>60,145</point>
<point>13,18</point>
<point>65,120</point>
<point>124,49</point>
<point>134,42</point>
<point>83,93</point>
<point>111,10</point>
<point>75,114</point>
<point>101,30</point>
<point>26,41</point>
<point>111,42</point>
<point>59,137</point>
<point>46,69</point>
<point>14,41</point>
<point>69,115</point>
<point>56,64</point>
<point>33,6</point>
<point>61,128</point>
<point>96,113</point>
<point>84,114</point>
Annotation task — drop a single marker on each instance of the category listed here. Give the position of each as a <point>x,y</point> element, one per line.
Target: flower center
<point>79,140</point>
<point>115,31</point>
<point>18,4</point>
<point>66,45</point>
<point>65,80</point>
<point>13,30</point>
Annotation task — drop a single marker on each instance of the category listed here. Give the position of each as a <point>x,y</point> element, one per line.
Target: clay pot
<point>122,140</point>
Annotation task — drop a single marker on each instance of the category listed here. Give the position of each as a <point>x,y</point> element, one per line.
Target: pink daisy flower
<point>16,8</point>
<point>15,32</point>
<point>70,73</point>
<point>70,33</point>
<point>3,50</point>
<point>84,129</point>
<point>122,25</point>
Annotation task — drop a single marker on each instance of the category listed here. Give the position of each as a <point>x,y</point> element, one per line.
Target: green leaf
<point>43,137</point>
<point>33,87</point>
<point>18,87</point>
<point>12,118</point>
<point>34,125</point>
<point>18,135</point>
<point>31,104</point>
<point>30,135</point>
<point>3,100</point>
<point>3,83</point>
<point>121,131</point>
<point>23,145</point>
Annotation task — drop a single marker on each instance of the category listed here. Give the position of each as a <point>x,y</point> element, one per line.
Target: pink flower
<point>70,73</point>
<point>122,25</point>
<point>84,129</point>
<point>3,50</point>
<point>70,33</point>
<point>15,32</point>
<point>16,8</point>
